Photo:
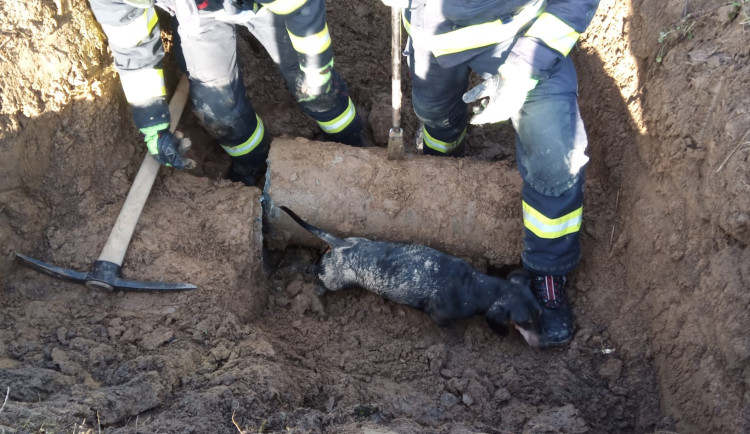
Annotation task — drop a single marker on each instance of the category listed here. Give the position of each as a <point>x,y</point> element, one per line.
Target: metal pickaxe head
<point>105,275</point>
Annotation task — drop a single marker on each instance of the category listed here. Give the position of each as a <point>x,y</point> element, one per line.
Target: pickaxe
<point>106,270</point>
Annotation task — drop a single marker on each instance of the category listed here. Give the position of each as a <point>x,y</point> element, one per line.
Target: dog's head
<point>516,306</point>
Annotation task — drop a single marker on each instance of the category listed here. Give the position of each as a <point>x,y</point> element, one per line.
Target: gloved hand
<point>506,90</point>
<point>241,18</point>
<point>167,148</point>
<point>400,4</point>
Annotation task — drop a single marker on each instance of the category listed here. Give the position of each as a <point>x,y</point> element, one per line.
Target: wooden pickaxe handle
<point>122,232</point>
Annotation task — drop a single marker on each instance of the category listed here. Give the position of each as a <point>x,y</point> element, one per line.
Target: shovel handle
<point>396,66</point>
<point>122,232</point>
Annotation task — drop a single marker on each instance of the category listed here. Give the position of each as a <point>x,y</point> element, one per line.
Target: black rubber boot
<point>252,176</point>
<point>557,315</point>
<point>458,152</point>
<point>250,169</point>
<point>357,134</point>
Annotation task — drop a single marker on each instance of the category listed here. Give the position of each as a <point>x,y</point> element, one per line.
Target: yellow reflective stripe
<point>554,33</point>
<point>476,36</point>
<point>341,121</point>
<point>143,84</point>
<point>152,19</point>
<point>544,227</point>
<point>405,21</point>
<point>440,145</point>
<point>134,32</point>
<point>313,44</point>
<point>284,7</point>
<point>248,145</point>
<point>322,70</point>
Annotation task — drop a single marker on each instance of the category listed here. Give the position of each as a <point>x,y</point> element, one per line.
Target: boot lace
<point>549,290</point>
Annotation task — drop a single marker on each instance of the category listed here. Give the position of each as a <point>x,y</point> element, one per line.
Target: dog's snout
<point>531,336</point>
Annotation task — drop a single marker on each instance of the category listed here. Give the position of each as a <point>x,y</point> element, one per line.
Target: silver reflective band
<point>131,34</point>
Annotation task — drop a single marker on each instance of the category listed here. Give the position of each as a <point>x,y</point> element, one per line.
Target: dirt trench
<point>661,295</point>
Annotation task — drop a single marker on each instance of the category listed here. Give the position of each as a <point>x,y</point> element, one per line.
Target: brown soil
<point>661,296</point>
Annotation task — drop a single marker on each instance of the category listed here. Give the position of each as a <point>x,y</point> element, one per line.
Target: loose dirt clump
<point>661,295</point>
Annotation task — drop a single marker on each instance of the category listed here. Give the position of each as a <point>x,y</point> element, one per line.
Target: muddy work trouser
<point>550,147</point>
<point>218,93</point>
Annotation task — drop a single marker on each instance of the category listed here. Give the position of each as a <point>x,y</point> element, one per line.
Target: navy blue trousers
<point>550,147</point>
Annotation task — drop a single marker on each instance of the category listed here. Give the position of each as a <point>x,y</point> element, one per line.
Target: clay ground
<point>661,295</point>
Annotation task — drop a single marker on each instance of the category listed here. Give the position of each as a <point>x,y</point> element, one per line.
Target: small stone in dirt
<point>447,373</point>
<point>156,339</point>
<point>502,395</point>
<point>436,354</point>
<point>467,399</point>
<point>301,304</point>
<point>458,386</point>
<point>611,369</point>
<point>61,335</point>
<point>294,288</point>
<point>376,431</point>
<point>280,301</point>
<point>448,400</point>
<point>220,353</point>
<point>316,306</point>
<point>330,404</point>
<point>559,419</point>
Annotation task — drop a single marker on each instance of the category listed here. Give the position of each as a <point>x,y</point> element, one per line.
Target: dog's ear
<point>498,318</point>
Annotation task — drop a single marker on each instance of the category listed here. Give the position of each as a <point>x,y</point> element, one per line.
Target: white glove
<point>241,18</point>
<point>399,4</point>
<point>506,90</point>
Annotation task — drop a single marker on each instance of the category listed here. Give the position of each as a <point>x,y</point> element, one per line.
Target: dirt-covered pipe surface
<point>468,208</point>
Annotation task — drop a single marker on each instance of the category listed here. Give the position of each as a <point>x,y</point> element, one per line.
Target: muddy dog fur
<point>445,287</point>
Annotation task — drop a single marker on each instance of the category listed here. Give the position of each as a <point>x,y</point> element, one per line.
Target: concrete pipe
<point>469,209</point>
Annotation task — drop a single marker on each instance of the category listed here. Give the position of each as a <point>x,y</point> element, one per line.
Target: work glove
<point>167,148</point>
<point>400,4</point>
<point>241,18</point>
<point>239,12</point>
<point>506,92</point>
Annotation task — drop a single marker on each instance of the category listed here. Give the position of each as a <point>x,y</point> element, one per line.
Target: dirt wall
<point>687,223</point>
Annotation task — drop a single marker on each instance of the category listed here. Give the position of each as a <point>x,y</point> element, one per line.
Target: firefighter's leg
<point>331,107</point>
<point>550,145</point>
<point>436,96</point>
<point>550,152</point>
<point>218,94</point>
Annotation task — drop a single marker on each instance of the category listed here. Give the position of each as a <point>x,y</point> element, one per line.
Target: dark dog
<point>441,285</point>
